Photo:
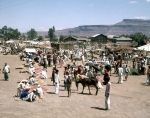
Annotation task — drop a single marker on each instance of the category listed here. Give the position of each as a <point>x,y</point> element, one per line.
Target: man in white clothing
<point>83,59</point>
<point>120,74</point>
<point>31,70</point>
<point>31,80</point>
<point>39,91</point>
<point>107,62</point>
<point>107,94</point>
<point>43,74</point>
<point>57,81</point>
<point>6,70</point>
<point>20,88</point>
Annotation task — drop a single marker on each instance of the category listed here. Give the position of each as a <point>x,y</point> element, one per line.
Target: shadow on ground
<point>50,92</point>
<point>85,93</point>
<point>98,108</point>
<point>144,84</point>
<point>63,96</point>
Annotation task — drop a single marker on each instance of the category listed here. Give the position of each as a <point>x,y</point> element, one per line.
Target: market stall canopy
<point>30,50</point>
<point>10,41</point>
<point>46,47</point>
<point>145,47</point>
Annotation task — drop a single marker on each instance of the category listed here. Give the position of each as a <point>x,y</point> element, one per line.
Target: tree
<point>40,38</point>
<point>9,33</point>
<point>51,33</point>
<point>140,38</point>
<point>32,34</point>
<point>61,38</point>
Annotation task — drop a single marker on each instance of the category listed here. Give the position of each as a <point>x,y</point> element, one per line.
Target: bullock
<point>87,82</point>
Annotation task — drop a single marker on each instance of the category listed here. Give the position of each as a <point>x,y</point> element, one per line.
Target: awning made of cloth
<point>30,50</point>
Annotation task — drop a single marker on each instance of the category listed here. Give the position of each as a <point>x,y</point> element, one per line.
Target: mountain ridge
<point>126,27</point>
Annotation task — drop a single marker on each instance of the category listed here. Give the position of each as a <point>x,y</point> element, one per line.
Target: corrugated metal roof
<point>95,35</point>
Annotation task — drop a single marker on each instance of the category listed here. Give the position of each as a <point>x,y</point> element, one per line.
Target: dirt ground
<point>128,100</point>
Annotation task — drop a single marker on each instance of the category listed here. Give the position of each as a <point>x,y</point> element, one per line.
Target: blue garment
<point>23,94</point>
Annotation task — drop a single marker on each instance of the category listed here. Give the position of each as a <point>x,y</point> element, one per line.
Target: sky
<point>44,14</point>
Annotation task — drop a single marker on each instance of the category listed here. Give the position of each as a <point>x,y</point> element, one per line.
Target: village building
<point>76,39</point>
<point>99,38</point>
<point>120,40</point>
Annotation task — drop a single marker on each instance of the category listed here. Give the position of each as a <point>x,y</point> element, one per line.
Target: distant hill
<point>127,26</point>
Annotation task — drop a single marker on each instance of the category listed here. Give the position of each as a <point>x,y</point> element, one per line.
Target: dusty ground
<point>128,100</point>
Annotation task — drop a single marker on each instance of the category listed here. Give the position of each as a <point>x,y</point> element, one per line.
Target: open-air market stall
<point>46,48</point>
<point>10,41</point>
<point>30,50</point>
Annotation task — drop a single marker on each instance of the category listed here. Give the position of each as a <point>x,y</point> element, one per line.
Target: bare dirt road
<point>128,100</point>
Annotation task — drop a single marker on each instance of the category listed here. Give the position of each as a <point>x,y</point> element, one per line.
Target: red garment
<point>79,70</point>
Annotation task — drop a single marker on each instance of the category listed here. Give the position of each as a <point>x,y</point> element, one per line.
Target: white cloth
<point>31,70</point>
<point>107,95</point>
<point>99,85</point>
<point>107,63</point>
<point>120,73</point>
<point>30,97</point>
<point>107,102</point>
<point>6,68</point>
<point>56,83</point>
<point>40,92</point>
<point>20,87</point>
<point>43,75</point>
<point>31,80</point>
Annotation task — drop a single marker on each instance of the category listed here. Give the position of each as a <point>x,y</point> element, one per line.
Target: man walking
<point>120,73</point>
<point>6,70</point>
<point>57,80</point>
<point>107,94</point>
<point>127,71</point>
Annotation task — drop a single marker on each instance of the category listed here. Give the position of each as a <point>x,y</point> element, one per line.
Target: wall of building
<point>62,46</point>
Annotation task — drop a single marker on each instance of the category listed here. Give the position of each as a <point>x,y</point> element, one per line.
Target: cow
<point>87,82</point>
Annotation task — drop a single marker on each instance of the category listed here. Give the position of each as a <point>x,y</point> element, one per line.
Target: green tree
<point>140,38</point>
<point>40,38</point>
<point>51,33</point>
<point>32,34</point>
<point>9,33</point>
<point>61,38</point>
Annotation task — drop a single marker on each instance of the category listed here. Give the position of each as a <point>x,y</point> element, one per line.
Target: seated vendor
<point>39,91</point>
<point>24,93</point>
<point>31,96</point>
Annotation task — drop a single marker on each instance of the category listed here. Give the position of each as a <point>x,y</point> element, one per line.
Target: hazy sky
<point>43,14</point>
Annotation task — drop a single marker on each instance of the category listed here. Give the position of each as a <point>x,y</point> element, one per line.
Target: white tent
<point>10,41</point>
<point>144,47</point>
<point>30,50</point>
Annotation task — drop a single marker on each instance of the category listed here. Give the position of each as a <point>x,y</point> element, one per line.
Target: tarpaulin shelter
<point>30,50</point>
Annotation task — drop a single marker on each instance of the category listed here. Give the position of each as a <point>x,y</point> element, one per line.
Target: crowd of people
<point>91,68</point>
